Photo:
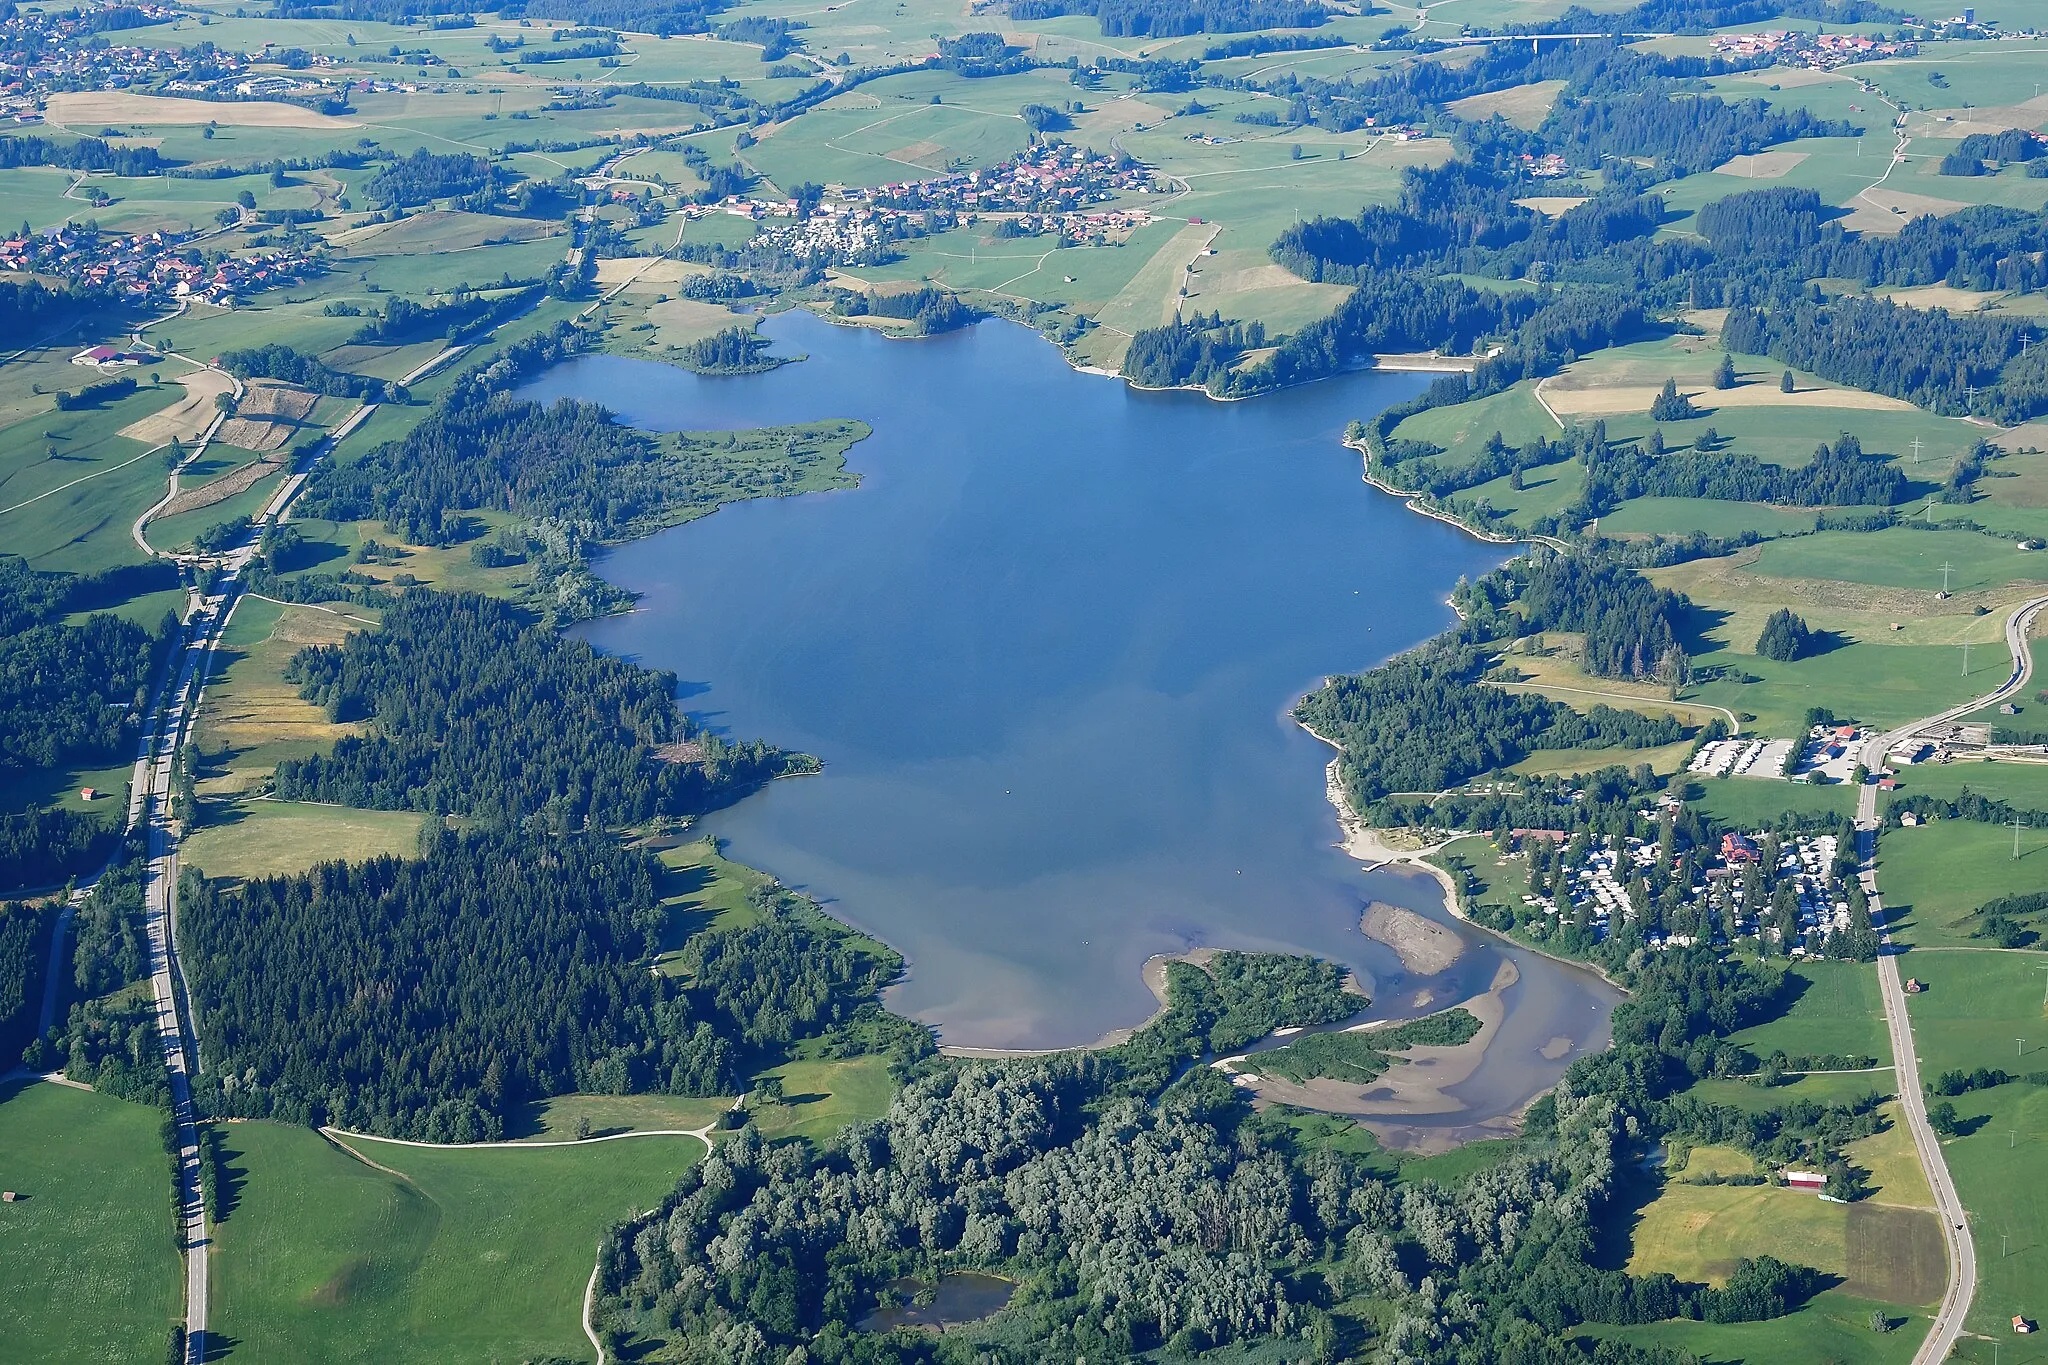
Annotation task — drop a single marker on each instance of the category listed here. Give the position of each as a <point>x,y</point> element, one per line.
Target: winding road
<point>1948,1205</point>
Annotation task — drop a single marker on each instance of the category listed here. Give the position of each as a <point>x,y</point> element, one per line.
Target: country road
<point>1948,1205</point>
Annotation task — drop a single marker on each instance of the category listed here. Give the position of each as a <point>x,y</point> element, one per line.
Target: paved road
<point>150,807</point>
<point>160,892</point>
<point>1948,1205</point>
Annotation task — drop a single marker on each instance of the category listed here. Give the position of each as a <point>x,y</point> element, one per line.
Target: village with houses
<point>155,267</point>
<point>1814,51</point>
<point>1052,188</point>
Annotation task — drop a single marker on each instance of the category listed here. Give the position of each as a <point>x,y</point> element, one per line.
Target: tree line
<point>278,360</point>
<point>1838,475</point>
<point>1157,19</point>
<point>463,314</point>
<point>81,154</point>
<point>1931,358</point>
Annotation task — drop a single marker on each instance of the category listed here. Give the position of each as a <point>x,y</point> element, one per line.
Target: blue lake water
<point>1047,652</point>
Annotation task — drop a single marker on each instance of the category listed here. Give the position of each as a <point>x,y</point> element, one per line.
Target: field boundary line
<point>342,1136</point>
<point>1622,696</point>
<point>83,478</point>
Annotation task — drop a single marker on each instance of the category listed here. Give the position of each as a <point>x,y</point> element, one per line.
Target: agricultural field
<point>266,838</point>
<point>91,1272</point>
<point>425,1255</point>
<point>250,718</point>
<point>2021,784</point>
<point>71,483</point>
<point>704,889</point>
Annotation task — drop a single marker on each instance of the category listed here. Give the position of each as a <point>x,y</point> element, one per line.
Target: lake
<point>1047,652</point>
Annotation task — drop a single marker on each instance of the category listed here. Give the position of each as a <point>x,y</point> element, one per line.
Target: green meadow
<point>91,1271</point>
<point>1935,876</point>
<point>446,1253</point>
<point>1987,1010</point>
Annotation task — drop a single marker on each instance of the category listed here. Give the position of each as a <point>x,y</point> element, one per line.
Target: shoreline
<point>1392,362</point>
<point>1364,841</point>
<point>1415,504</point>
<point>1153,974</point>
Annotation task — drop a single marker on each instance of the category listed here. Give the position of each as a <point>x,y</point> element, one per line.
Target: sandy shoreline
<point>1417,1086</point>
<point>1425,947</point>
<point>1153,973</point>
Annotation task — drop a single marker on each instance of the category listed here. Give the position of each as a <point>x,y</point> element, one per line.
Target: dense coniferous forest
<point>24,952</point>
<point>477,710</point>
<point>81,154</point>
<point>1930,358</point>
<point>43,847</point>
<point>1196,351</point>
<point>571,463</point>
<point>1983,247</point>
<point>430,997</point>
<point>1839,475</point>
<point>68,693</point>
<point>1374,718</point>
<point>735,350</point>
<point>1630,625</point>
<point>1683,136</point>
<point>931,310</point>
<point>30,308</point>
<point>426,176</point>
<point>1154,19</point>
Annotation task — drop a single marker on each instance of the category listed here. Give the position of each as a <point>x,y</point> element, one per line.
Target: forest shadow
<point>1636,1186</point>
<point>1819,642</point>
<point>310,554</point>
<point>1694,625</point>
<point>1791,988</point>
<point>230,1179</point>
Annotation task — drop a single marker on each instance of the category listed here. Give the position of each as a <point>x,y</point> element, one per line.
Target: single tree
<point>1724,373</point>
<point>1785,637</point>
<point>1671,405</point>
<point>1786,384</point>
